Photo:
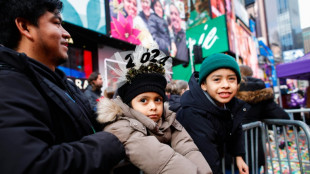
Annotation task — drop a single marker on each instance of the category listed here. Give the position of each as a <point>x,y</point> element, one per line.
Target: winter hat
<point>139,71</point>
<point>217,61</point>
<point>152,82</point>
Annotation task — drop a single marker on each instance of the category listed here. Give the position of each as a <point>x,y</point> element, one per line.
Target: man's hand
<point>242,166</point>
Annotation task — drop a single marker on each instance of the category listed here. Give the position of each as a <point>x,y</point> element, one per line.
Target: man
<point>45,122</point>
<point>93,90</point>
<point>179,34</point>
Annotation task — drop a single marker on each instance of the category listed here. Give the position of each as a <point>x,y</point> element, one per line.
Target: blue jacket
<point>46,123</point>
<point>212,127</point>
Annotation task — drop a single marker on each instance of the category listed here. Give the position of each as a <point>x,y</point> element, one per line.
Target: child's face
<point>150,104</point>
<point>221,85</point>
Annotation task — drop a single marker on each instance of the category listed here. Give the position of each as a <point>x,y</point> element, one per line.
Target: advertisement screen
<point>217,8</point>
<point>89,14</point>
<point>211,36</point>
<point>151,22</point>
<point>198,12</point>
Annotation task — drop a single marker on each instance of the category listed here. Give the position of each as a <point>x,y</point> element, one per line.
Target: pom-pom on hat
<point>217,61</point>
<point>140,71</point>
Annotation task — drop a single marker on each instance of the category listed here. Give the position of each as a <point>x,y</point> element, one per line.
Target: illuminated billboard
<point>151,22</point>
<point>211,36</point>
<point>198,12</point>
<point>89,14</point>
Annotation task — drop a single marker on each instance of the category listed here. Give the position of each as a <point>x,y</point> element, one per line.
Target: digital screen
<point>151,22</point>
<point>89,14</point>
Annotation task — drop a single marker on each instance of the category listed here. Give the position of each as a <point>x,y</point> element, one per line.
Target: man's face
<point>175,18</point>
<point>98,82</point>
<point>50,40</point>
<point>146,4</point>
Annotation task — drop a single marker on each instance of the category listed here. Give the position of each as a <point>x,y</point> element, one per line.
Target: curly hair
<point>30,10</point>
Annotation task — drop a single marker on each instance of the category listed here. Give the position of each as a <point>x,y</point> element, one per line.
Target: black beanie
<point>152,82</point>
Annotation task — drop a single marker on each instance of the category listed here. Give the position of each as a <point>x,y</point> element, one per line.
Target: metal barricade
<point>302,112</point>
<point>254,138</point>
<point>288,146</point>
<point>285,144</point>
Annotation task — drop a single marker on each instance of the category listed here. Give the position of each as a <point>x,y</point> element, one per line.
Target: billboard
<point>211,36</point>
<point>151,22</point>
<point>217,8</point>
<point>89,14</point>
<point>197,12</point>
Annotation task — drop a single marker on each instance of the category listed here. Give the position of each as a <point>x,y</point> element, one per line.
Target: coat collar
<point>110,110</point>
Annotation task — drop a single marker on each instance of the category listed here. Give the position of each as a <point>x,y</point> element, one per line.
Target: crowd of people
<point>48,125</point>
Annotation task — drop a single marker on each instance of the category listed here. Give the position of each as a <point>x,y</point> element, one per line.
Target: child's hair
<point>176,87</point>
<point>30,10</point>
<point>217,61</point>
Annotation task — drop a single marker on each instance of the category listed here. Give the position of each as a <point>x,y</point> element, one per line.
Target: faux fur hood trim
<point>107,111</point>
<point>253,97</point>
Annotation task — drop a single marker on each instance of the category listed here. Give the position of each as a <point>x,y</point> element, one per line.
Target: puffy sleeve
<point>147,153</point>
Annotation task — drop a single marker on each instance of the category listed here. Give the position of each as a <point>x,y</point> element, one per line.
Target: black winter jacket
<point>159,29</point>
<point>254,92</point>
<point>45,122</point>
<point>174,103</point>
<point>212,127</point>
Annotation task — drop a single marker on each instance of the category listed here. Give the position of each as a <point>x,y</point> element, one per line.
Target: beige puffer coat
<point>164,147</point>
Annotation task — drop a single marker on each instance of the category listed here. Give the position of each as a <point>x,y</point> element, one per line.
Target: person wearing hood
<point>154,140</point>
<point>253,91</point>
<point>212,114</point>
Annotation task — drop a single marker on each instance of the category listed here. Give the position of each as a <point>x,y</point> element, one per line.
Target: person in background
<point>140,22</point>
<point>93,90</point>
<point>46,122</point>
<point>158,27</point>
<point>178,87</point>
<point>181,51</point>
<point>212,115</point>
<point>154,140</point>
<point>254,92</point>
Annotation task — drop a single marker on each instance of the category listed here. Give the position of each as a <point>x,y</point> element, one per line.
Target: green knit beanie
<point>217,61</point>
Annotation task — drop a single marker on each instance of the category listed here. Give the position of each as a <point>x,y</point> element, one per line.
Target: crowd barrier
<point>302,112</point>
<point>288,144</point>
<point>284,143</point>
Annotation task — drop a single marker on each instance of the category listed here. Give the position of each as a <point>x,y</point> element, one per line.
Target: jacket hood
<point>174,102</point>
<point>253,91</point>
<point>254,97</point>
<point>196,98</point>
<point>110,110</point>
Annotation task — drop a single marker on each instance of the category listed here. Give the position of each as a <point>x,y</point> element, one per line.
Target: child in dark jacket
<point>212,115</point>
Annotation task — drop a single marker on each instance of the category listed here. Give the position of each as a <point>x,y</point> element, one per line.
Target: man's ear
<point>23,27</point>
